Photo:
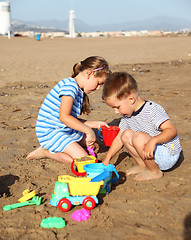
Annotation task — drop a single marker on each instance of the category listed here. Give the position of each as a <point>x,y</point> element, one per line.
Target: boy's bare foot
<point>37,154</point>
<point>148,175</point>
<point>134,170</point>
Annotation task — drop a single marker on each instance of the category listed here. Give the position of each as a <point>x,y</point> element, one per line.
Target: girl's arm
<point>94,124</point>
<point>115,147</point>
<point>72,122</point>
<point>169,131</point>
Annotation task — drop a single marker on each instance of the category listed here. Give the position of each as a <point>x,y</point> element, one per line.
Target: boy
<point>145,129</point>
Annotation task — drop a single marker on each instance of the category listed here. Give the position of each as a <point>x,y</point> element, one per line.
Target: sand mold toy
<point>82,214</point>
<point>53,222</point>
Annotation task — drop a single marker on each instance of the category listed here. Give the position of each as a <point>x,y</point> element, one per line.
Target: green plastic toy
<point>34,201</point>
<point>50,222</point>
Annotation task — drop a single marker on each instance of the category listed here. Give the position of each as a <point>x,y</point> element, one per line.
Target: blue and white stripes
<point>51,132</point>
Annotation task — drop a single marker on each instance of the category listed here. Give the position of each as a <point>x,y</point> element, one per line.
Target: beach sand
<point>158,209</point>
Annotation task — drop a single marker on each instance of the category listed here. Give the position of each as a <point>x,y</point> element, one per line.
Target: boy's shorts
<point>162,157</point>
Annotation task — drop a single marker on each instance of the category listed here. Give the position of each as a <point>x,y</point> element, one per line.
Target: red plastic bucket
<point>108,134</point>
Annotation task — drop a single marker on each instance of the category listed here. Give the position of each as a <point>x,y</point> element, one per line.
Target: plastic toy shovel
<point>34,201</point>
<point>91,151</point>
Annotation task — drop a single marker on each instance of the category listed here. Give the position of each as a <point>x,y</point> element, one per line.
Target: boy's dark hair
<point>119,83</point>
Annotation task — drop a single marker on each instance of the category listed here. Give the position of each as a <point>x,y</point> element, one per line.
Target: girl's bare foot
<point>148,175</point>
<point>134,170</point>
<point>37,154</point>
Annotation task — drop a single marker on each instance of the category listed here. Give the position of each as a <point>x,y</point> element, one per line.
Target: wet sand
<point>158,209</point>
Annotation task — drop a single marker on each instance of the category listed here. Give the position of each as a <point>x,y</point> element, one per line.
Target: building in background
<point>5,18</point>
<point>71,24</point>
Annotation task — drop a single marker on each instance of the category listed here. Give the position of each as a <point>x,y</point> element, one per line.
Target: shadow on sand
<point>178,163</point>
<point>187,227</point>
<point>5,182</point>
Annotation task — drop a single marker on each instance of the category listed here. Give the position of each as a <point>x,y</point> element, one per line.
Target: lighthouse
<point>71,24</point>
<point>5,18</point>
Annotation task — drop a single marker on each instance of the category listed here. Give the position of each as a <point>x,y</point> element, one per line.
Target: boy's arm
<point>169,131</point>
<point>115,147</point>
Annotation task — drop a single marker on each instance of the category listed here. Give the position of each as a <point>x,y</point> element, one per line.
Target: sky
<point>99,12</point>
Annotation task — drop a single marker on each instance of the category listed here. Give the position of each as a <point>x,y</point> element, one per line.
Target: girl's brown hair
<point>95,63</point>
<point>119,83</point>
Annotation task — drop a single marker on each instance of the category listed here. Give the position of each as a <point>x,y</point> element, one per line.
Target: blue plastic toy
<point>99,171</point>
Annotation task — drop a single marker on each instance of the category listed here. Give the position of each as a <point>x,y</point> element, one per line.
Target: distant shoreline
<point>143,33</point>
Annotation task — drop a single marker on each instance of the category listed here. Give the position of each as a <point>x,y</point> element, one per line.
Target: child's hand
<point>148,150</point>
<point>101,124</point>
<point>105,162</point>
<point>95,124</point>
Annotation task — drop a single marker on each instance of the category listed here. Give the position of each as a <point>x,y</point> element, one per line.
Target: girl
<point>145,129</point>
<point>61,134</point>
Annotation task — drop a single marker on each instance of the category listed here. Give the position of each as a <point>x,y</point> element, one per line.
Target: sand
<point>158,209</point>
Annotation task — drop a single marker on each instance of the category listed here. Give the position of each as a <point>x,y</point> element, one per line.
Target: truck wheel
<point>64,205</point>
<point>88,203</point>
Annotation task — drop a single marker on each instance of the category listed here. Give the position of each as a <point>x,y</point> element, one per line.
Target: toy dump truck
<point>75,191</point>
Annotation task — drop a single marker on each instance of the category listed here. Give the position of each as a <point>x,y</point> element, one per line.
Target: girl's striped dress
<point>52,134</point>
